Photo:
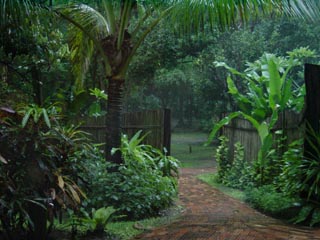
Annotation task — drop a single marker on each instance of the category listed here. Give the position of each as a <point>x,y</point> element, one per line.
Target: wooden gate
<point>154,123</point>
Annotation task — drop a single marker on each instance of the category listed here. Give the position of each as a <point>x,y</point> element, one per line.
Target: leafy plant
<point>36,176</point>
<point>223,158</point>
<point>97,221</point>
<point>290,179</point>
<point>144,184</point>
<point>267,199</point>
<point>269,91</point>
<point>95,108</point>
<point>302,178</point>
<point>240,173</point>
<point>233,170</point>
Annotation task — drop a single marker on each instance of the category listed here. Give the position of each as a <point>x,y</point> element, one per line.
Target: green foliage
<point>95,109</point>
<point>33,54</point>
<point>308,214</point>
<point>267,199</point>
<point>233,172</point>
<point>97,221</point>
<point>223,158</point>
<point>240,174</point>
<point>145,184</point>
<point>300,177</point>
<point>290,179</point>
<point>37,166</point>
<point>269,91</point>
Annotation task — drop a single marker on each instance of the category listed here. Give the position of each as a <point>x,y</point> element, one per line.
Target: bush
<point>145,184</point>
<point>236,172</point>
<point>37,174</point>
<point>222,158</point>
<point>300,177</point>
<point>240,174</point>
<point>268,200</point>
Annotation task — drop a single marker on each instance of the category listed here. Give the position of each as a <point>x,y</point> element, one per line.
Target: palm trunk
<point>114,109</point>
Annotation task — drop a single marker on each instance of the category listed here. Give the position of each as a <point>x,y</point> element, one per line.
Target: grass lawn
<point>188,147</point>
<point>210,178</point>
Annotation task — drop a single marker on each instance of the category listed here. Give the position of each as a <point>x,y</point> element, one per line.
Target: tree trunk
<point>38,216</point>
<point>113,121</point>
<point>312,113</point>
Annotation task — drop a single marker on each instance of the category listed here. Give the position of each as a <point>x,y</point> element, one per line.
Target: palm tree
<point>120,26</point>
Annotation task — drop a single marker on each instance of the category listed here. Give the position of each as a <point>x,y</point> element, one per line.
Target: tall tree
<point>116,30</point>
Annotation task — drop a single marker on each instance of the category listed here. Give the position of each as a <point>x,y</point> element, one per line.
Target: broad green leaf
<point>259,114</point>
<point>253,121</point>
<point>37,114</point>
<point>230,69</point>
<point>46,117</point>
<point>263,131</point>
<point>220,124</point>
<point>231,86</point>
<point>102,215</point>
<point>315,217</point>
<point>303,214</point>
<point>287,94</point>
<point>267,143</point>
<point>95,109</point>
<point>26,117</point>
<point>274,84</point>
<point>273,119</point>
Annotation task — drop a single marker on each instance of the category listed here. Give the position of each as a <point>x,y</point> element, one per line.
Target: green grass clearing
<point>211,179</point>
<point>188,147</point>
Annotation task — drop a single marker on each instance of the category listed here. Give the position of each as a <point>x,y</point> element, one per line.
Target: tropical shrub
<point>300,177</point>
<point>233,170</point>
<point>223,158</point>
<point>145,184</point>
<point>290,179</point>
<point>268,200</point>
<point>240,173</point>
<point>37,175</point>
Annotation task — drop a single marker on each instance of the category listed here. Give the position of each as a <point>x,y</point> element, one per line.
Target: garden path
<point>211,215</point>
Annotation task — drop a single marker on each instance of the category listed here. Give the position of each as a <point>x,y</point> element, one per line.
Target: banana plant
<point>269,91</point>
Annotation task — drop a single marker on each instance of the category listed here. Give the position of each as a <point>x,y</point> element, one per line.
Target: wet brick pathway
<point>212,215</point>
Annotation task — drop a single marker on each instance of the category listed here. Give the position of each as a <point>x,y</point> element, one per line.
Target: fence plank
<point>154,123</point>
<point>241,130</point>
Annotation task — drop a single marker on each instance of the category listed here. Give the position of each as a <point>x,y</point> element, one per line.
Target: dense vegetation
<point>283,172</point>
<point>60,63</point>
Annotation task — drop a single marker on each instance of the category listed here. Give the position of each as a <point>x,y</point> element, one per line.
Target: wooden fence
<point>241,130</point>
<point>156,123</point>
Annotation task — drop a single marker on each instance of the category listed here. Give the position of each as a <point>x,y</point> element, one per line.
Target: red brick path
<point>211,215</point>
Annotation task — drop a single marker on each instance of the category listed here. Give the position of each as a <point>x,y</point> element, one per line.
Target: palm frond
<point>90,20</point>
<point>304,9</point>
<point>14,13</point>
<point>109,10</point>
<point>192,15</point>
<point>124,20</point>
<point>87,28</point>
